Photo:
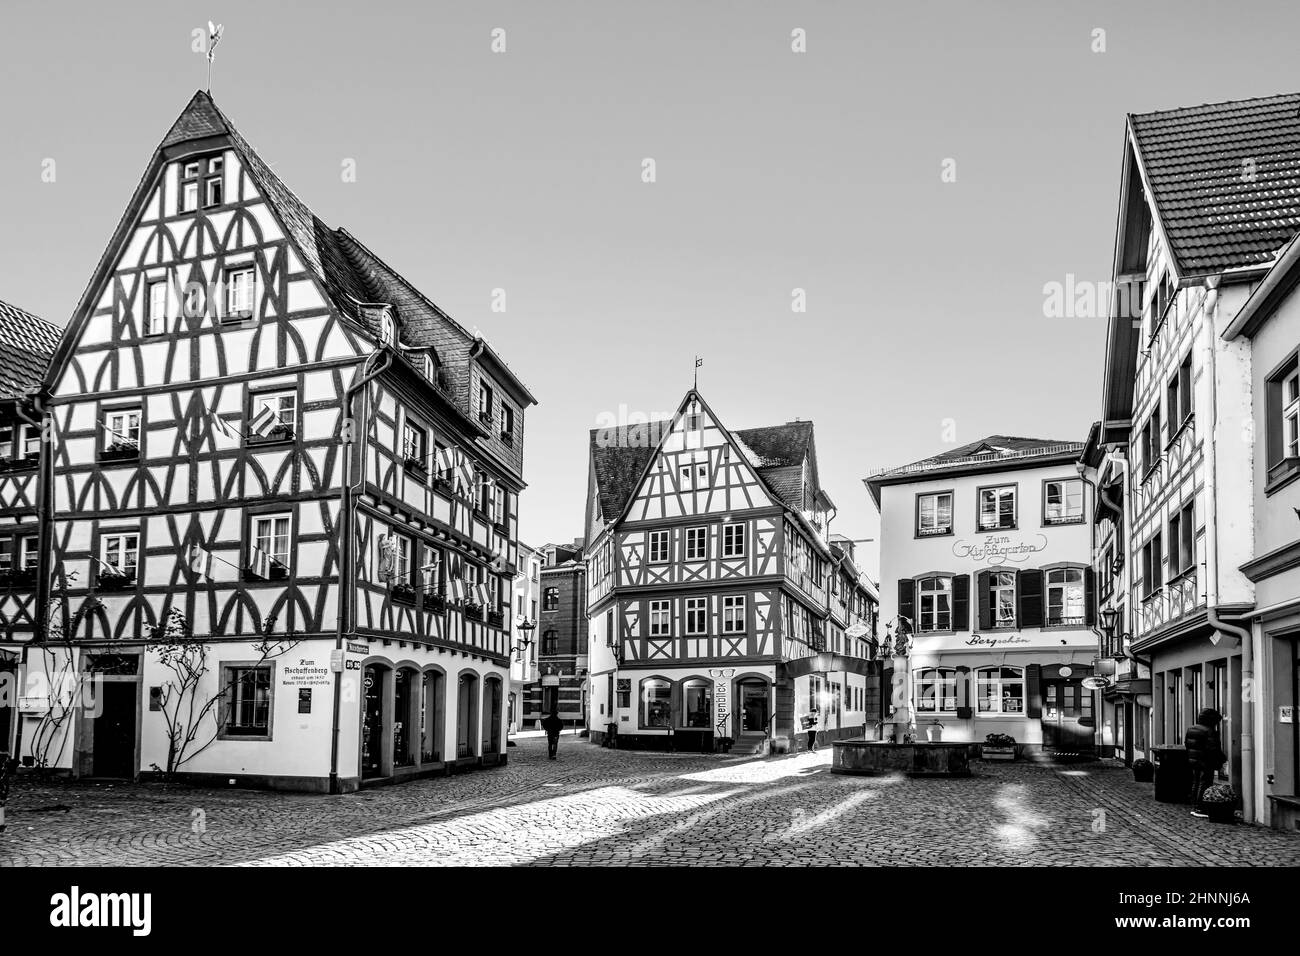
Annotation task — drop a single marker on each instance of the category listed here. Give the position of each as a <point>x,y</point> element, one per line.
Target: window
<point>239,294</point>
<point>1002,598</point>
<point>1065,600</point>
<point>1152,572</point>
<point>697,544</point>
<point>1179,392</point>
<point>271,538</point>
<point>551,599</point>
<point>212,192</point>
<point>658,547</point>
<point>121,554</point>
<point>935,603</point>
<point>191,170</point>
<point>189,196</point>
<point>1161,299</point>
<point>1152,449</point>
<point>1063,502</point>
<point>934,514</point>
<point>733,614</point>
<point>430,367</point>
<point>694,475</point>
<point>733,540</point>
<point>1182,541</point>
<point>401,560</point>
<point>697,615</point>
<point>248,691</point>
<point>215,165</point>
<point>660,619</point>
<point>29,442</point>
<point>25,552</point>
<point>1000,690</point>
<point>697,703</point>
<point>6,442</point>
<point>656,703</point>
<point>122,430</point>
<point>274,415</point>
<point>507,423</point>
<point>414,442</point>
<point>550,643</point>
<point>485,402</point>
<point>936,690</point>
<point>997,508</point>
<point>1282,404</point>
<point>692,421</point>
<point>155,321</point>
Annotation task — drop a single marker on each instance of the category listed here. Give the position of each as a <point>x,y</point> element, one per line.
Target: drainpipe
<point>1082,468</point>
<point>44,488</point>
<point>369,374</point>
<point>1212,560</point>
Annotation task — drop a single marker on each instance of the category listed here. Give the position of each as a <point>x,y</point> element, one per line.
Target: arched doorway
<point>466,714</point>
<point>753,705</point>
<point>406,701</point>
<point>374,683</point>
<point>492,714</point>
<point>432,689</point>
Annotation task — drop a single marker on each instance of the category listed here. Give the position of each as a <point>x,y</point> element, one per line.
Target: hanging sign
<point>1096,683</point>
<point>722,699</point>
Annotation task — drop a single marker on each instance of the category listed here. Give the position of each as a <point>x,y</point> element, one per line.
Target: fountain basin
<point>922,758</point>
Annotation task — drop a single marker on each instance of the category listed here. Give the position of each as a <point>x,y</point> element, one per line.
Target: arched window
<point>551,599</point>
<point>1000,690</point>
<point>550,643</point>
<point>697,703</point>
<point>936,690</point>
<point>656,702</point>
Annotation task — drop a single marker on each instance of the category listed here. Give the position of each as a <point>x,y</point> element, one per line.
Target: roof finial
<point>214,37</point>
<point>698,362</point>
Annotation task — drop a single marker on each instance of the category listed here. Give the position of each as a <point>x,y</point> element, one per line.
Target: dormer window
<point>430,367</point>
<point>215,165</point>
<point>485,401</point>
<point>189,196</point>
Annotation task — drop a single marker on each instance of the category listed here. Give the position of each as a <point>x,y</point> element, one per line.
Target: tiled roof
<point>26,345</point>
<point>995,449</point>
<point>777,445</point>
<point>1225,179</point>
<point>619,456</point>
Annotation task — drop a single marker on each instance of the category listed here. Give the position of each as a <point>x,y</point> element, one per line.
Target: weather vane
<point>698,362</point>
<point>214,37</point>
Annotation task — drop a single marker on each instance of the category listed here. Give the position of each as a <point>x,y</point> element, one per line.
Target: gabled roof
<point>776,446</point>
<point>1224,178</point>
<point>27,343</point>
<point>994,453</point>
<point>619,456</point>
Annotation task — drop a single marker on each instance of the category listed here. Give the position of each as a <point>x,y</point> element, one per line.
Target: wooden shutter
<point>961,602</point>
<point>1089,598</point>
<point>1029,594</point>
<point>1033,688</point>
<point>907,599</point>
<point>963,686</point>
<point>983,601</point>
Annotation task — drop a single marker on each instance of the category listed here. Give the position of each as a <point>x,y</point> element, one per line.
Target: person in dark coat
<point>552,725</point>
<point>1204,755</point>
<point>810,725</point>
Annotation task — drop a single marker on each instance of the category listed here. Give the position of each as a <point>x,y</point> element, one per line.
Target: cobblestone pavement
<point>595,806</point>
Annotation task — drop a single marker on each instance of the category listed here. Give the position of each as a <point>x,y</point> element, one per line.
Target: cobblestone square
<point>598,807</point>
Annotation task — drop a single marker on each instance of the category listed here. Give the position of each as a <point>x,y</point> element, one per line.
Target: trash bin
<point>1173,775</point>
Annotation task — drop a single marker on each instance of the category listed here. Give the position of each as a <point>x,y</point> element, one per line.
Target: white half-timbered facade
<point>708,572</point>
<point>264,439</point>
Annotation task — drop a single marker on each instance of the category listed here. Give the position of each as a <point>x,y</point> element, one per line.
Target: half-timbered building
<point>268,445</point>
<point>708,570</point>
<point>26,344</point>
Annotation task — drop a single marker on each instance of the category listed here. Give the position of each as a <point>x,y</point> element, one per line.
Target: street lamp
<point>526,628</point>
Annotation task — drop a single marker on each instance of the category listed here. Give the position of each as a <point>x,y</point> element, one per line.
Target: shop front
<point>1028,686</point>
<point>693,709</point>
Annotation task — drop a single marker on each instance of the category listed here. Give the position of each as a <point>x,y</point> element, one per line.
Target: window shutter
<point>961,602</point>
<point>907,600</point>
<point>985,605</point>
<point>1029,591</point>
<point>963,686</point>
<point>1089,598</point>
<point>1033,689</point>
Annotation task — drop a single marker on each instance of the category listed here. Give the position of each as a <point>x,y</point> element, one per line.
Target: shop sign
<point>550,680</point>
<point>722,698</point>
<point>1286,714</point>
<point>355,648</point>
<point>998,549</point>
<point>1000,641</point>
<point>1096,683</point>
<point>1065,670</point>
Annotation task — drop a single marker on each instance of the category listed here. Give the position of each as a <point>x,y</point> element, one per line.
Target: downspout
<point>1082,468</point>
<point>345,548</point>
<point>44,488</point>
<point>1212,560</point>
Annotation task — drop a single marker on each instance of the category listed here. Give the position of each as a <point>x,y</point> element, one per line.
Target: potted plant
<point>934,731</point>
<point>998,747</point>
<point>1143,770</point>
<point>1220,803</point>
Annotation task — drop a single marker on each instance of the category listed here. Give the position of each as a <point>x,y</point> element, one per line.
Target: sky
<point>921,171</point>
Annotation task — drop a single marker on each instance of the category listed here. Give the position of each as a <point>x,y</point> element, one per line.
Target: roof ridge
<point>1216,105</point>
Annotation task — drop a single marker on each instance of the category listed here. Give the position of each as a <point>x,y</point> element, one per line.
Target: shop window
<point>1000,690</point>
<point>656,703</point>
<point>697,703</point>
<point>248,700</point>
<point>936,690</point>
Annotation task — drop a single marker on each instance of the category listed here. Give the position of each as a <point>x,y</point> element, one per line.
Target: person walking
<point>1204,755</point>
<point>552,725</point>
<point>810,725</point>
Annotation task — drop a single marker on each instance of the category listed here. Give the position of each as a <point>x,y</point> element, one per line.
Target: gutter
<point>1212,566</point>
<point>1277,283</point>
<point>345,548</point>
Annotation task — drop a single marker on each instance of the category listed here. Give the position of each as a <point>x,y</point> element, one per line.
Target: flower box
<point>998,747</point>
